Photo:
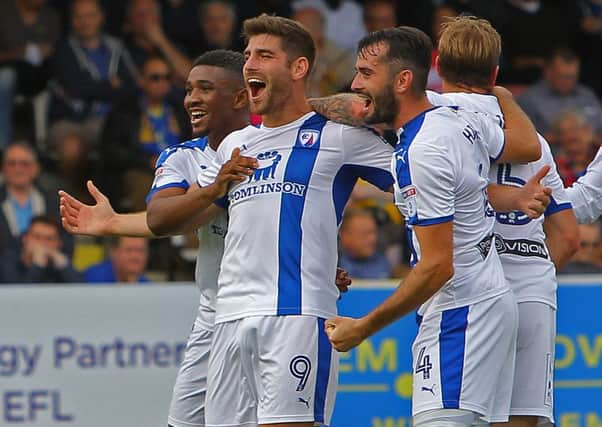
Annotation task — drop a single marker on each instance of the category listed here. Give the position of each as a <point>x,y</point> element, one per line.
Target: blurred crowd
<point>93,89</point>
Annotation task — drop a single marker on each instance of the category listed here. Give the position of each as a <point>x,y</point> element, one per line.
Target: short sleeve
<point>368,154</point>
<point>208,176</point>
<point>559,200</point>
<point>493,135</point>
<point>426,181</point>
<point>170,172</point>
<point>586,193</point>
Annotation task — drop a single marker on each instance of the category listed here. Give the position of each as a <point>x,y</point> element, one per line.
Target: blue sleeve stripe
<point>555,207</point>
<point>182,184</point>
<point>346,178</point>
<point>222,202</point>
<point>432,221</point>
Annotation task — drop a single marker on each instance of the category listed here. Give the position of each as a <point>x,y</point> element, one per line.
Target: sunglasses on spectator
<point>588,244</point>
<point>155,77</point>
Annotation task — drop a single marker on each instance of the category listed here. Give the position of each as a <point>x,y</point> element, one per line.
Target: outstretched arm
<point>100,219</point>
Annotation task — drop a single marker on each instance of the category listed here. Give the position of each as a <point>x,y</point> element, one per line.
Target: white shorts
<point>271,369</point>
<point>463,358</point>
<point>188,399</point>
<point>533,391</point>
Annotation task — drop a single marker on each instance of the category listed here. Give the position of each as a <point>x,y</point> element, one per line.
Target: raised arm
<point>522,143</point>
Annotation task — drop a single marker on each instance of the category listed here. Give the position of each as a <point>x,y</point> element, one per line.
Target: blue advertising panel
<point>376,378</point>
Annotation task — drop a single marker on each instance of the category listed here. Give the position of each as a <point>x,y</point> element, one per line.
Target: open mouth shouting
<point>256,88</point>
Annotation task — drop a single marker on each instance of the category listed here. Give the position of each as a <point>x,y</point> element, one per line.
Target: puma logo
<point>306,402</point>
<point>432,389</point>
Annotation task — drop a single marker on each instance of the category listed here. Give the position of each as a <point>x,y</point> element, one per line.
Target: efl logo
<point>408,192</point>
<point>308,137</point>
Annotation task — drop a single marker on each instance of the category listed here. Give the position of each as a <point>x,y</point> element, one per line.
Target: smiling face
<point>210,97</point>
<point>267,74</point>
<point>373,81</point>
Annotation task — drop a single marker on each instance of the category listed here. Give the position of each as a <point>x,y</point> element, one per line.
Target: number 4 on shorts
<point>423,364</point>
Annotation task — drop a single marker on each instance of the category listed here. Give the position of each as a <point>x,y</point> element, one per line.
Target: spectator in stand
<point>70,163</point>
<point>181,24</point>
<point>92,70</point>
<point>379,14</point>
<point>217,20</point>
<point>333,67</point>
<point>441,14</point>
<point>29,30</point>
<point>575,145</point>
<point>145,38</point>
<point>135,134</point>
<point>559,91</point>
<point>20,198</point>
<point>344,25</point>
<point>587,258</point>
<point>126,262</point>
<point>40,259</point>
<point>590,43</point>
<point>528,28</point>
<point>359,255</point>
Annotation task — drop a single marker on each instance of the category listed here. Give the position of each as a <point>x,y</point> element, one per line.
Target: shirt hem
<point>271,312</point>
<point>465,301</point>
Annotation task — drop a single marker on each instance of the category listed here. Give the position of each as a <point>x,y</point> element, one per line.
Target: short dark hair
<point>561,52</point>
<point>296,40</point>
<point>221,58</point>
<point>47,220</point>
<point>407,48</point>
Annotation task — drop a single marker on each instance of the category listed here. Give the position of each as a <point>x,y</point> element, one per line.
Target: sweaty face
<point>267,74</point>
<point>209,100</point>
<point>373,81</point>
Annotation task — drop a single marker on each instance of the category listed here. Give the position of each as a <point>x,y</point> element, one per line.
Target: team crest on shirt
<point>159,171</point>
<point>408,194</point>
<point>268,162</point>
<point>308,137</point>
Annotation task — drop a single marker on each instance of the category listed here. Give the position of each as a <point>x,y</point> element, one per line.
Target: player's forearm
<point>503,198</point>
<point>178,214</point>
<point>522,142</point>
<point>562,237</point>
<point>341,108</point>
<point>130,225</point>
<point>423,281</point>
